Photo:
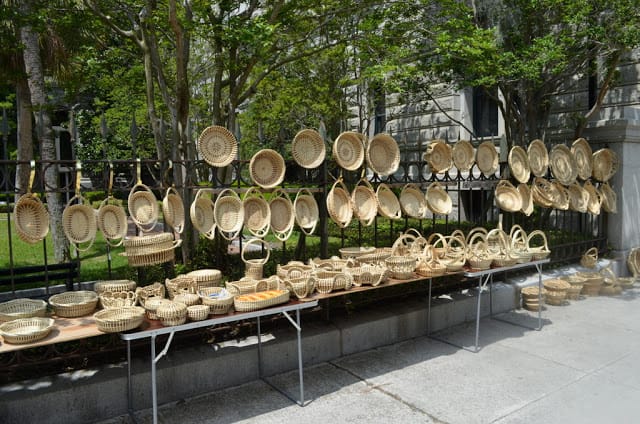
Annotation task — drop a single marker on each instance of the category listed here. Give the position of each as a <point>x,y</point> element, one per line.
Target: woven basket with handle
<point>284,214</point>
<point>254,267</point>
<point>257,214</point>
<point>365,202</point>
<point>339,204</point>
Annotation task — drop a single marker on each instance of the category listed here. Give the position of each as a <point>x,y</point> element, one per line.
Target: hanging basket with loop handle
<point>365,202</point>
<point>217,146</point>
<point>438,200</point>
<point>582,154</point>
<point>308,149</point>
<point>267,168</point>
<point>112,218</point>
<point>30,214</point>
<point>609,198</point>
<point>339,204</point>
<point>413,201</point>
<point>388,204</point>
<point>173,210</point>
<point>282,215</point>
<point>487,158</point>
<point>257,214</point>
<point>595,201</point>
<point>463,155</point>
<point>520,245</point>
<point>508,197</point>
<point>545,193</point>
<point>527,199</point>
<point>151,249</point>
<point>519,164</point>
<point>563,165</point>
<point>79,219</point>
<point>589,258</point>
<point>143,205</point>
<point>383,154</point>
<point>538,158</point>
<point>306,210</point>
<point>229,214</point>
<point>253,267</point>
<point>578,198</point>
<point>605,164</point>
<point>202,216</point>
<point>439,156</point>
<point>348,150</point>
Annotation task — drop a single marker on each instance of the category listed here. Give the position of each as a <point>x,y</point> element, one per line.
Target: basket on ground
<point>556,291</point>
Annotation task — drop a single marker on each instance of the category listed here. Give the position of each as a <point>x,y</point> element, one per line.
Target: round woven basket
<point>152,291</point>
<point>365,202</point>
<point>198,312</point>
<point>383,154</point>
<point>348,150</point>
<point>31,218</point>
<point>308,149</point>
<point>26,330</point>
<point>413,201</point>
<point>519,164</point>
<point>592,284</point>
<point>79,223</point>
<point>538,158</point>
<point>218,299</point>
<point>267,168</point>
<point>609,198</point>
<point>388,204</point>
<point>143,207</point>
<point>544,192</point>
<point>589,258</point>
<point>74,303</point>
<point>578,198</point>
<point>172,313</point>
<point>438,200</point>
<point>117,299</point>
<point>563,199</point>
<point>201,214</point>
<point>595,201</point>
<point>114,286</point>
<point>217,146</point>
<point>306,210</point>
<point>206,277</point>
<point>583,156</point>
<point>439,156</point>
<point>463,155</point>
<point>22,308</point>
<point>541,251</point>
<point>112,221</point>
<point>577,283</point>
<point>401,267</point>
<point>527,198</point>
<point>355,252</point>
<point>257,214</point>
<point>487,158</point>
<point>556,291</point>
<point>283,216</point>
<point>254,267</point>
<point>228,214</point>
<point>339,204</point>
<point>563,165</point>
<point>150,250</point>
<point>187,299</point>
<point>152,304</point>
<point>117,320</point>
<point>508,197</point>
<point>532,297</point>
<point>173,210</point>
<point>605,164</point>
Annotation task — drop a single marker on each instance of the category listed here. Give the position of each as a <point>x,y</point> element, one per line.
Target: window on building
<point>485,113</point>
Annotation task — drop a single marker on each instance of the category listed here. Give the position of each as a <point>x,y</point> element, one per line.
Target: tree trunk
<point>25,135</point>
<point>35,79</point>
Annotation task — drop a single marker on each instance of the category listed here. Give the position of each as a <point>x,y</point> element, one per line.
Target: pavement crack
<point>379,388</point>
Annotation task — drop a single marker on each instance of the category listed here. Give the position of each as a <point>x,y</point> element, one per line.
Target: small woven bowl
<point>413,201</point>
<point>339,204</point>
<point>218,299</point>
<point>197,312</point>
<point>79,222</point>
<point>117,299</point>
<point>508,197</point>
<point>348,150</point>
<point>383,154</point>
<point>22,308</point>
<point>267,168</point>
<point>308,149</point>
<point>73,304</point>
<point>217,146</point>
<point>26,330</point>
<point>202,217</point>
<point>438,200</point>
<point>365,202</point>
<point>172,313</point>
<point>206,277</point>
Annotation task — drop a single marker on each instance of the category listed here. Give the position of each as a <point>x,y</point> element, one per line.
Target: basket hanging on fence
<point>254,267</point>
<point>79,223</point>
<point>578,198</point>
<point>173,210</point>
<point>438,200</point>
<point>348,150</point>
<point>413,201</point>
<point>508,197</point>
<point>563,165</point>
<point>538,158</point>
<point>217,146</point>
<point>257,214</point>
<point>143,205</point>
<point>563,199</point>
<point>595,201</point>
<point>112,218</point>
<point>308,149</point>
<point>283,216</point>
<point>201,214</point>
<point>527,199</point>
<point>605,164</point>
<point>383,154</point>
<point>267,168</point>
<point>439,156</point>
<point>463,155</point>
<point>609,198</point>
<point>545,193</point>
<point>30,215</point>
<point>388,204</point>
<point>487,158</point>
<point>339,204</point>
<point>519,164</point>
<point>582,154</point>
<point>365,202</point>
<point>228,214</point>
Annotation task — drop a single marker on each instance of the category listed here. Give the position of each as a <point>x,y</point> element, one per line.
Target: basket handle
<point>367,184</point>
<point>535,233</point>
<point>253,241</point>
<point>257,193</point>
<point>315,224</point>
<point>223,193</point>
<point>330,197</point>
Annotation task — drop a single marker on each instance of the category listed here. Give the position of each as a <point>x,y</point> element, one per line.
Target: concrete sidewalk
<point>582,367</point>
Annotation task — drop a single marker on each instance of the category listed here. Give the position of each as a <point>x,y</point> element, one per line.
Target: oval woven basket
<point>114,286</point>
<point>74,303</point>
<point>79,223</point>
<point>206,277</point>
<point>228,214</point>
<point>383,154</point>
<point>578,198</point>
<point>365,202</point>
<point>307,148</point>
<point>538,158</point>
<point>348,150</point>
<point>254,267</point>
<point>261,300</point>
<point>217,146</point>
<point>143,207</point>
<point>339,204</point>
<point>487,158</point>
<point>582,154</point>
<point>150,250</point>
<point>527,199</point>
<point>22,308</point>
<point>508,197</point>
<point>438,200</point>
<point>306,210</point>
<point>563,166</point>
<point>544,192</point>
<point>413,201</point>
<point>464,155</point>
<point>388,203</point>
<point>117,299</point>
<point>439,156</point>
<point>595,201</point>
<point>609,198</point>
<point>26,330</point>
<point>117,320</point>
<point>218,299</point>
<point>201,214</point>
<point>519,164</point>
<point>283,216</point>
<point>563,200</point>
<point>31,219</point>
<point>173,210</point>
<point>605,164</point>
<point>112,222</point>
<point>267,168</point>
<point>257,214</point>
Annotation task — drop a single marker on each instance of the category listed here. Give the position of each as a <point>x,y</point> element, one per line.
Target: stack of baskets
<point>532,298</point>
<point>556,291</point>
<point>577,283</point>
<point>592,283</point>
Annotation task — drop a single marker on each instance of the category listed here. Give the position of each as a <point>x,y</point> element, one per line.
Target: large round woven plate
<point>538,158</point>
<point>438,200</point>
<point>439,156</point>
<point>228,213</point>
<point>508,197</point>
<point>202,217</point>
<point>605,164</point>
<point>563,165</point>
<point>583,155</point>
<point>112,221</point>
<point>308,149</point>
<point>217,146</point>
<point>463,155</point>
<point>79,223</point>
<point>413,201</point>
<point>173,210</point>
<point>143,207</point>
<point>267,168</point>
<point>306,211</point>
<point>348,150</point>
<point>339,205</point>
<point>487,158</point>
<point>31,219</point>
<point>388,204</point>
<point>527,199</point>
<point>257,214</point>
<point>383,154</point>
<point>365,202</point>
<point>282,215</point>
<point>595,201</point>
<point>609,198</point>
<point>519,164</point>
<point>578,198</point>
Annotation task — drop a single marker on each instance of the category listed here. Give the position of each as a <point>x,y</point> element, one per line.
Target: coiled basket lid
<point>267,168</point>
<point>383,154</point>
<point>308,149</point>
<point>217,146</point>
<point>348,150</point>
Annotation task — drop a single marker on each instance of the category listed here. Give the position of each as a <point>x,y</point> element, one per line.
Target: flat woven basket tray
<point>260,300</point>
<point>26,330</point>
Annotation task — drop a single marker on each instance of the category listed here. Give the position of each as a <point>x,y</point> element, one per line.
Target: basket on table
<point>116,320</point>
<point>180,284</point>
<point>401,267</point>
<point>248,285</point>
<point>520,245</point>
<point>371,275</point>
<point>538,252</point>
<point>293,269</point>
<point>254,267</point>
<point>74,303</point>
<point>478,255</point>
<point>218,299</point>
<point>22,308</point>
<point>592,283</point>
<point>589,258</point>
<point>334,263</point>
<point>217,146</point>
<point>152,305</point>
<point>383,154</point>
<point>117,299</point>
<point>152,291</point>
<point>206,277</point>
<point>260,300</point>
<point>455,254</point>
<point>26,330</point>
<point>308,149</point>
<point>532,297</point>
<point>189,299</point>
<point>556,291</point>
<point>173,210</point>
<point>172,313</point>
<point>113,286</point>
<point>284,214</point>
<point>328,281</point>
<point>267,168</point>
<point>365,202</point>
<point>257,214</point>
<point>376,257</point>
<point>428,264</point>
<point>577,283</point>
<point>301,285</point>
<point>348,150</point>
<point>355,252</point>
<point>197,312</point>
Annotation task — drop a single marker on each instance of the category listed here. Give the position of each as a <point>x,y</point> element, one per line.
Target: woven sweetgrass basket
<point>487,158</point>
<point>578,198</point>
<point>589,258</point>
<point>173,210</point>
<point>31,219</point>
<point>254,267</point>
<point>143,207</point>
<point>26,330</point>
<point>339,204</point>
<point>545,193</point>
<point>283,215</point>
<point>348,150</point>
<point>229,214</point>
<point>519,164</point>
<point>508,197</point>
<point>527,199</point>
<point>538,158</point>
<point>257,214</point>
<point>307,148</point>
<point>605,164</point>
<point>563,199</point>
<point>79,223</point>
<point>217,146</point>
<point>151,249</point>
<point>267,168</point>
<point>117,299</point>
<point>181,283</point>
<point>594,204</point>
<point>260,300</point>
<point>439,156</point>
<point>556,291</point>
<point>401,267</point>
<point>365,202</point>
<point>218,299</point>
<point>463,155</point>
<point>172,313</point>
<point>413,201</point>
<point>563,165</point>
<point>22,308</point>
<point>582,154</point>
<point>633,261</point>
<point>438,200</point>
<point>202,217</point>
<point>152,291</point>
<point>117,320</point>
<point>152,304</point>
<point>206,277</point>
<point>112,221</point>
<point>609,198</point>
<point>388,203</point>
<point>197,312</point>
<point>74,303</point>
<point>187,299</point>
<point>302,286</point>
<point>383,154</point>
<point>539,251</point>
